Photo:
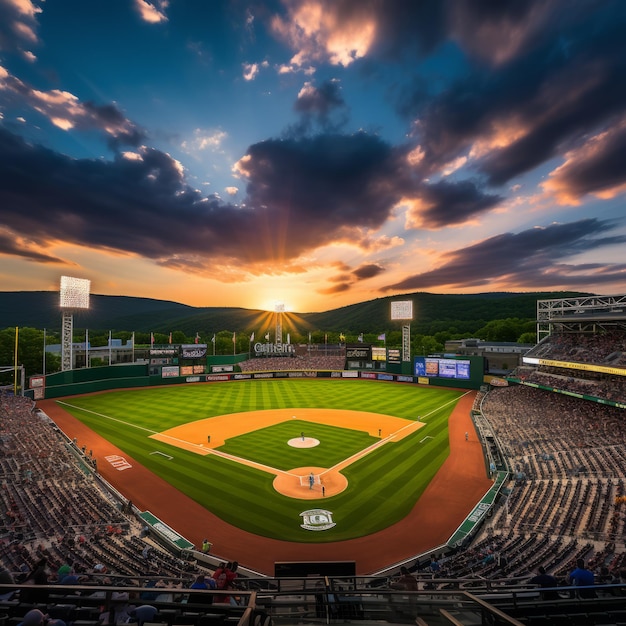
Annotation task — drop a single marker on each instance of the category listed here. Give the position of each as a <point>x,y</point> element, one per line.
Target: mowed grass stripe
<point>383,486</point>
<point>270,445</point>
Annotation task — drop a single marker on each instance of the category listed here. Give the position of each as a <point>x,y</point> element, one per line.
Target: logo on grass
<point>317,519</point>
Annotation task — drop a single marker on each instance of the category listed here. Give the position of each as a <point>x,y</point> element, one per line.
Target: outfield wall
<point>107,378</point>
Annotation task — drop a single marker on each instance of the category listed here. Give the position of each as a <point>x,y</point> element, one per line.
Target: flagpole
<point>110,351</point>
<point>86,347</point>
<point>133,348</point>
<point>15,362</point>
<point>44,351</point>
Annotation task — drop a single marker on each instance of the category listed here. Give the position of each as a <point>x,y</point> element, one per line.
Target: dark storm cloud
<point>403,28</point>
<point>323,106</point>
<point>495,31</point>
<point>347,279</point>
<point>530,259</point>
<point>109,118</point>
<point>322,186</point>
<point>367,270</point>
<point>301,194</point>
<point>320,101</point>
<point>565,83</point>
<point>596,168</point>
<point>9,245</point>
<point>447,203</point>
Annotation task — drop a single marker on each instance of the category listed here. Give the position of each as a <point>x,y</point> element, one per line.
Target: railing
<point>313,600</point>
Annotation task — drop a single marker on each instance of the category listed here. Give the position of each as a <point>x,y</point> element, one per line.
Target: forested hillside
<point>464,313</point>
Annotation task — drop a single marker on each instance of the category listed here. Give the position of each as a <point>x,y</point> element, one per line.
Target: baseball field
<point>261,456</point>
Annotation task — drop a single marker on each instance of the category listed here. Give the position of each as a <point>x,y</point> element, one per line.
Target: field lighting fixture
<point>74,294</point>
<point>279,309</point>
<point>402,310</point>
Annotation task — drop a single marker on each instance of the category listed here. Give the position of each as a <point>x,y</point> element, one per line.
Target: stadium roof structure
<point>587,314</point>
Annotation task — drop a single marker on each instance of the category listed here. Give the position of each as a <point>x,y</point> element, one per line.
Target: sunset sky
<point>318,154</point>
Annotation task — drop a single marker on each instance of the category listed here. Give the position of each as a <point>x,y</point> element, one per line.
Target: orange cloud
<point>316,30</point>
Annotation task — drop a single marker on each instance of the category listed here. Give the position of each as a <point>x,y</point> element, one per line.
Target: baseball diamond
<point>417,523</point>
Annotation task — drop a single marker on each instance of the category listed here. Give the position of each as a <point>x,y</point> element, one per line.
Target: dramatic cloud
<point>500,31</point>
<point>513,118</point>
<point>18,26</point>
<point>321,105</point>
<point>65,111</point>
<point>387,132</point>
<point>86,202</point>
<point>447,204</point>
<point>530,259</point>
<point>15,245</point>
<point>367,270</point>
<point>597,167</point>
<point>339,32</point>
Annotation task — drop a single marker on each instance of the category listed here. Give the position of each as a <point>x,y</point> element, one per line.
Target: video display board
<point>434,367</point>
<point>379,354</point>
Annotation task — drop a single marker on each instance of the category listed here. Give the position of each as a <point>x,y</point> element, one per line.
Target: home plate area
<point>296,483</point>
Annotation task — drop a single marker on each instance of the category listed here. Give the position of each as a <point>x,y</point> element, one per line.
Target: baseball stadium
<point>331,482</point>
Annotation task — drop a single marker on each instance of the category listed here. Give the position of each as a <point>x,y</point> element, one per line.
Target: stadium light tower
<point>279,309</point>
<point>74,295</point>
<point>402,310</point>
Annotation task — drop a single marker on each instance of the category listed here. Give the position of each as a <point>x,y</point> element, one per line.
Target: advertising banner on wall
<point>193,351</point>
<point>169,352</point>
<point>169,371</point>
<point>359,352</point>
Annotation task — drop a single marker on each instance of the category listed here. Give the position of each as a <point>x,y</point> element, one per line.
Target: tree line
<point>31,341</point>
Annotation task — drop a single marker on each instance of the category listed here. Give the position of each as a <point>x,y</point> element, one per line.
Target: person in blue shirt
<point>582,577</point>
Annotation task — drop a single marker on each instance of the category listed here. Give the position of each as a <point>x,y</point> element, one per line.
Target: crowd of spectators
<point>567,478</point>
<point>59,524</point>
<point>606,348</point>
<point>306,362</point>
<point>599,349</point>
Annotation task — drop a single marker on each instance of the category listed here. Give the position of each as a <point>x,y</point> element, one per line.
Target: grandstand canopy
<point>587,314</point>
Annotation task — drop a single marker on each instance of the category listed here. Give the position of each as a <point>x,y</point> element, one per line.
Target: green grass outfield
<point>383,486</point>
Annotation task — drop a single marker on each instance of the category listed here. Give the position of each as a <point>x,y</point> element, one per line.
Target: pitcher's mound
<point>306,442</point>
<point>289,484</point>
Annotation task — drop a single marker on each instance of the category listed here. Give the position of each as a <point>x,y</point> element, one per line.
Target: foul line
<point>243,461</point>
<point>363,453</point>
<point>167,456</point>
<point>148,430</point>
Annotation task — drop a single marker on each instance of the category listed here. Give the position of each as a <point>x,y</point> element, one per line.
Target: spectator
<point>203,584</point>
<point>545,581</point>
<point>37,577</point>
<point>406,581</point>
<point>582,577</point>
<point>143,613</point>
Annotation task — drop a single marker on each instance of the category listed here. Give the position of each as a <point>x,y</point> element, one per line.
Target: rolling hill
<point>432,312</point>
